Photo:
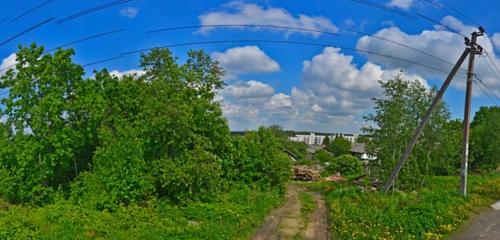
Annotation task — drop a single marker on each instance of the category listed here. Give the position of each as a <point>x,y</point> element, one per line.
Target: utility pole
<point>471,50</point>
<point>474,50</point>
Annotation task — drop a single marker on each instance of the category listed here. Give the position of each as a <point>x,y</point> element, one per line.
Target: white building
<point>352,138</point>
<point>313,139</point>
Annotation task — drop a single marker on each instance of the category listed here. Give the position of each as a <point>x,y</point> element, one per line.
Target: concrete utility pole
<point>474,50</point>
<point>471,50</point>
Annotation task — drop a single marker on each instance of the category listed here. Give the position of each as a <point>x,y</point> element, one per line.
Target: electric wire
<point>483,88</point>
<point>496,70</point>
<point>384,7</point>
<point>30,11</point>
<point>244,25</point>
<point>87,38</point>
<point>91,10</point>
<point>455,10</point>
<point>408,15</point>
<point>26,31</point>
<point>272,42</point>
<point>434,21</point>
<point>305,30</point>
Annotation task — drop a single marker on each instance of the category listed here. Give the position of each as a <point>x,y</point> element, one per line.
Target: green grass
<point>234,215</point>
<point>432,213</point>
<point>307,204</point>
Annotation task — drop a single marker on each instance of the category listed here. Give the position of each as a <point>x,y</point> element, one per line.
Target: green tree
<point>340,146</point>
<point>260,160</point>
<point>323,156</point>
<point>395,117</point>
<point>326,141</point>
<point>485,139</point>
<point>48,148</point>
<point>346,165</point>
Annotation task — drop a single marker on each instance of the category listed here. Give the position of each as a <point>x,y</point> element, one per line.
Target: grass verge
<point>234,215</point>
<point>432,213</point>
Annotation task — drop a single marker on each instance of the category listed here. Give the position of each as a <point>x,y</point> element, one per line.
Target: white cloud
<point>248,59</point>
<point>238,12</point>
<point>333,93</point>
<point>251,89</point>
<point>132,72</point>
<point>438,42</point>
<point>129,12</point>
<point>7,63</point>
<point>495,39</point>
<point>403,4</point>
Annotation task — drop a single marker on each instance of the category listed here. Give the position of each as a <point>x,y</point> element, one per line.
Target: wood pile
<point>305,173</point>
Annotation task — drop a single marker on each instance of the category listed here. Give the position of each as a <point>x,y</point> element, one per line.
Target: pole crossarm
<point>472,49</point>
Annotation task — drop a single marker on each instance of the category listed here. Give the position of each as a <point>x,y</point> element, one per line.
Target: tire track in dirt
<point>287,222</point>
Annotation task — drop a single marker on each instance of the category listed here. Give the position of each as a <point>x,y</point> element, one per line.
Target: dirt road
<point>287,222</point>
<point>485,226</point>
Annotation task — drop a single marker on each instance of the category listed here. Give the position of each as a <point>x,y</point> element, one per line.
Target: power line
<point>434,3</point>
<point>442,7</point>
<point>303,29</point>
<point>481,84</point>
<point>384,7</point>
<point>268,41</point>
<point>102,61</point>
<point>244,25</point>
<point>497,72</point>
<point>85,39</point>
<point>26,31</point>
<point>30,10</point>
<point>91,10</point>
<point>434,21</point>
<point>405,14</point>
<point>72,43</point>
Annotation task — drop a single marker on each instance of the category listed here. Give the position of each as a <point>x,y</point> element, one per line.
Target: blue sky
<point>299,87</point>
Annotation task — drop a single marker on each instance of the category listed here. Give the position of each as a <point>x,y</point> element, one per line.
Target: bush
<point>346,165</point>
<point>323,156</point>
<point>259,159</point>
<point>434,212</point>
<point>340,146</point>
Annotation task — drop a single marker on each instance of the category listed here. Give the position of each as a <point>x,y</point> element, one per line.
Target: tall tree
<point>395,118</point>
<point>340,146</point>
<point>485,139</point>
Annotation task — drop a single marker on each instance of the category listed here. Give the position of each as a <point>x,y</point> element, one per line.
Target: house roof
<point>358,148</point>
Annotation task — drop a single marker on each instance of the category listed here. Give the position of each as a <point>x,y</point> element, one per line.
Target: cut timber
<point>305,173</point>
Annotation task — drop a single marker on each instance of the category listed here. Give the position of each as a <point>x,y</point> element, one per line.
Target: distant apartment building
<point>311,139</point>
<point>317,139</point>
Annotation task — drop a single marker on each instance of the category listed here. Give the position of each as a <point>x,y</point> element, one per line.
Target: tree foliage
<point>260,159</point>
<point>340,146</point>
<point>346,165</point>
<point>395,118</point>
<point>111,140</point>
<point>485,140</point>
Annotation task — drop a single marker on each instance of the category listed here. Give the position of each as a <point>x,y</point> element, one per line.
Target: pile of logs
<point>305,173</point>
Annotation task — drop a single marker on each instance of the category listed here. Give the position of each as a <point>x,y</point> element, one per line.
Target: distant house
<point>358,149</point>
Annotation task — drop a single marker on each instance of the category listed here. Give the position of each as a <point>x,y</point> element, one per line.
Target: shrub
<point>259,160</point>
<point>340,146</point>
<point>346,165</point>
<point>323,156</point>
